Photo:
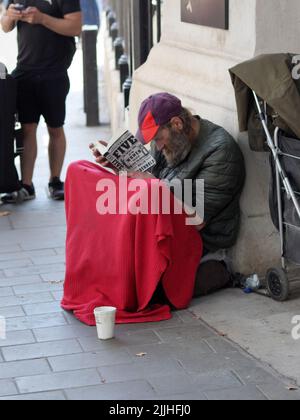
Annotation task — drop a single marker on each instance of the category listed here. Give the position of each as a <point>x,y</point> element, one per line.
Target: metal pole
<point>90,65</point>
<point>280,214</point>
<point>150,25</point>
<point>158,2</point>
<point>119,51</point>
<point>130,36</point>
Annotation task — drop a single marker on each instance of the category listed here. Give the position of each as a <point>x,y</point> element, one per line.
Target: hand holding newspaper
<point>126,153</point>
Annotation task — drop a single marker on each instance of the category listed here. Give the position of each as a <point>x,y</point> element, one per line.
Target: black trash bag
<point>9,180</point>
<point>211,277</point>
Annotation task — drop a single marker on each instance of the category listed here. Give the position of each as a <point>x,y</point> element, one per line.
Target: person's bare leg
<point>29,154</point>
<point>57,151</point>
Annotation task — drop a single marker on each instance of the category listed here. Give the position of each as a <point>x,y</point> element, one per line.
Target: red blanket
<point>118,260</point>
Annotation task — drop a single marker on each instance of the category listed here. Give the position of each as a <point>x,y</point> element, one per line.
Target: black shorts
<point>39,96</point>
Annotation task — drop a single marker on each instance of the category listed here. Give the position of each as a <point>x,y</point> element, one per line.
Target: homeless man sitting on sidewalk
<point>127,261</point>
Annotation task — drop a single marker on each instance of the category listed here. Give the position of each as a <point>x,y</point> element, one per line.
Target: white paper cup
<point>105,320</point>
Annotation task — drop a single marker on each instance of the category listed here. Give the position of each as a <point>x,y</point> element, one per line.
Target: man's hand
<point>99,158</point>
<point>10,18</point>
<point>33,16</point>
<point>13,14</point>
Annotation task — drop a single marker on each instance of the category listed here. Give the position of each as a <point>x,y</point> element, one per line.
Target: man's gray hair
<point>187,119</point>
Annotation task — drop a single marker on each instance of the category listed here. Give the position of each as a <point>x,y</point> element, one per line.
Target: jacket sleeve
<point>223,175</point>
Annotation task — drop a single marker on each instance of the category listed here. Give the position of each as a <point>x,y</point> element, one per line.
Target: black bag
<point>211,277</point>
<point>9,180</point>
<point>290,147</point>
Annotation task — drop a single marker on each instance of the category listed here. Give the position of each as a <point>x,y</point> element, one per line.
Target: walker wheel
<point>278,284</point>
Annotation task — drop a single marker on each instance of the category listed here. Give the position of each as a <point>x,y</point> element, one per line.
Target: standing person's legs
<point>29,116</point>
<point>57,151</point>
<point>38,96</point>
<point>53,103</point>
<point>29,155</point>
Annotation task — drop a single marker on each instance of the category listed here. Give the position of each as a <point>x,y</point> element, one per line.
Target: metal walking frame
<point>281,282</point>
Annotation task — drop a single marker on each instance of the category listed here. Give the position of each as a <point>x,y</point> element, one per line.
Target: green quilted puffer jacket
<point>217,159</point>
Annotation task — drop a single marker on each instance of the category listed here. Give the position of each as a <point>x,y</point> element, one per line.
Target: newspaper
<point>126,153</point>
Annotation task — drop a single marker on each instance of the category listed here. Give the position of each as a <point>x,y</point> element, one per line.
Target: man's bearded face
<point>176,148</point>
